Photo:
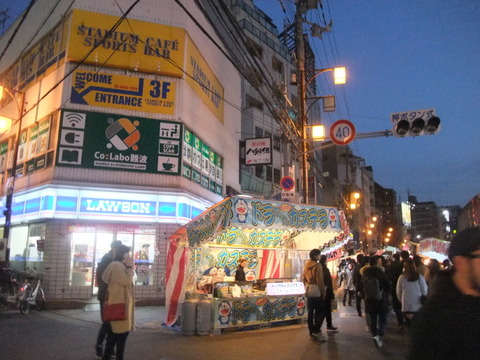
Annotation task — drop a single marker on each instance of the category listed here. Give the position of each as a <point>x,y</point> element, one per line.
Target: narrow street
<point>70,334</point>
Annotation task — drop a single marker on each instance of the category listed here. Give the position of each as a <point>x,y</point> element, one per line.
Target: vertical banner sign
<point>187,154</point>
<point>218,175</point>
<point>114,142</point>
<point>205,165</point>
<point>203,81</point>
<point>3,156</point>
<point>32,141</point>
<point>196,159</point>
<point>199,162</point>
<point>22,147</point>
<point>205,159</point>
<point>43,136</point>
<point>213,169</point>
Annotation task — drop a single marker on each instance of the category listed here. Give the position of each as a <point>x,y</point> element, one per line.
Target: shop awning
<point>249,223</point>
<point>434,248</point>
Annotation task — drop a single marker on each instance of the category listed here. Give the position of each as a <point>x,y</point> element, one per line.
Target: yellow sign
<point>40,60</point>
<point>203,81</point>
<point>138,45</point>
<point>123,92</point>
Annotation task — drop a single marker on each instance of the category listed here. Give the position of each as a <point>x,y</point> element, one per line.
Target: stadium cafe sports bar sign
<point>115,142</point>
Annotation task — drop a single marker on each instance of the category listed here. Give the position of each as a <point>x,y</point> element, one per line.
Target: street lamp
<point>11,185</point>
<point>339,78</point>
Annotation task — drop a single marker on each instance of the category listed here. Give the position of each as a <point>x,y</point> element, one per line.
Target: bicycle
<point>11,291</point>
<point>32,295</point>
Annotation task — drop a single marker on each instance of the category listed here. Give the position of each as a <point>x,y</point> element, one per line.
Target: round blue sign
<point>287,183</point>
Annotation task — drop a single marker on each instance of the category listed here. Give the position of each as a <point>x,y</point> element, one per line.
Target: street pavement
<point>70,334</point>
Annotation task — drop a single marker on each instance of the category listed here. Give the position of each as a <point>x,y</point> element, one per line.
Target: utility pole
<point>11,185</point>
<point>300,53</point>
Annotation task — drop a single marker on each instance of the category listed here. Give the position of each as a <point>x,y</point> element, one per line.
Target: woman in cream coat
<point>411,286</point>
<point>119,277</point>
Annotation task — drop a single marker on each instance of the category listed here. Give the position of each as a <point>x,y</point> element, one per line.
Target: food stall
<point>433,248</point>
<point>275,238</point>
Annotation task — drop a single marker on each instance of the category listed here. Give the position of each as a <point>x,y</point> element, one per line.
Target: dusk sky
<point>400,56</point>
<point>406,55</point>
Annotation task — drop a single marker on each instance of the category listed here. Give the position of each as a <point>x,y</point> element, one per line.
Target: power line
<point>107,34</point>
<point>24,16</point>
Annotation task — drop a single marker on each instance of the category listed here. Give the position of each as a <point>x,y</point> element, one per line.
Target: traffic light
<point>415,123</point>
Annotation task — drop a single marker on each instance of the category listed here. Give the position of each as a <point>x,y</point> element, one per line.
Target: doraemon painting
<point>241,209</point>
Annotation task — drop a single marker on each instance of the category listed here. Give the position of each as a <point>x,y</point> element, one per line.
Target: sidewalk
<point>152,317</point>
<point>146,317</point>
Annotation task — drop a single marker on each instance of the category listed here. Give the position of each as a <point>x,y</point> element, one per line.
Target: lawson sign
<point>117,206</point>
<point>62,203</point>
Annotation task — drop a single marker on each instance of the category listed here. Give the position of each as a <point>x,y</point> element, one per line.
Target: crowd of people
<point>427,299</point>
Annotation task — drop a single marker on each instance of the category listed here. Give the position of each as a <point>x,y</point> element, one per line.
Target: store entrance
<point>88,248</point>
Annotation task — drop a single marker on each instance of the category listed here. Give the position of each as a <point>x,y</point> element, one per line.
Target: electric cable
<point>15,31</point>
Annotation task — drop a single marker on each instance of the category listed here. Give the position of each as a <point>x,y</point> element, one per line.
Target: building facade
<point>125,130</point>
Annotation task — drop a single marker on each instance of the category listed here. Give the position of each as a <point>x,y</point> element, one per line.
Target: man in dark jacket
<point>102,293</point>
<point>448,324</point>
<point>396,269</point>
<point>376,305</point>
<point>357,278</point>
<point>329,296</point>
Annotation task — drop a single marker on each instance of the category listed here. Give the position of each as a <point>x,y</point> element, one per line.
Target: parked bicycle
<point>33,294</point>
<point>11,290</point>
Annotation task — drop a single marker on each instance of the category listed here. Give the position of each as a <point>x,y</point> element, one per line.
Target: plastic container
<point>189,316</point>
<point>204,317</point>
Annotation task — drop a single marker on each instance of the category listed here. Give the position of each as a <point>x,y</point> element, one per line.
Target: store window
<point>26,247</point>
<point>88,248</point>
<point>144,250</point>
<point>82,259</point>
<point>35,247</point>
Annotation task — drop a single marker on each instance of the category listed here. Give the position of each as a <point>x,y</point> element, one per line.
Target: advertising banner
<point>203,80</point>
<point>149,47</point>
<point>123,92</point>
<point>258,151</point>
<point>114,142</point>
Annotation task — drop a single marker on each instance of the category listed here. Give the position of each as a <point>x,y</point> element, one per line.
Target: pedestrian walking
<point>357,279</point>
<point>433,269</point>
<point>396,269</point>
<point>329,294</point>
<point>347,284</point>
<point>422,269</point>
<point>376,288</point>
<point>119,277</point>
<point>447,326</point>
<point>411,289</point>
<point>102,291</point>
<point>313,275</point>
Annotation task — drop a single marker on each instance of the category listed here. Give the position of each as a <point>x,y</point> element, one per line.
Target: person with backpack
<point>376,287</point>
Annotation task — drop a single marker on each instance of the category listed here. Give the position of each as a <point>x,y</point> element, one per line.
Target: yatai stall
<point>433,248</point>
<point>275,238</point>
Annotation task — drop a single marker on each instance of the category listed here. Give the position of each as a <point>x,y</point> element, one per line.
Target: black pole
<point>11,188</point>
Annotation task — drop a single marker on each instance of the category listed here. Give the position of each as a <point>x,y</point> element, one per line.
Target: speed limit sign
<point>342,132</point>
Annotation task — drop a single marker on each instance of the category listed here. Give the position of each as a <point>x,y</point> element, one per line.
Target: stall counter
<point>255,310</point>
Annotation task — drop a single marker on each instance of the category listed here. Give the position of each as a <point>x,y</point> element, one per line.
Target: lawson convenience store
<point>64,231</point>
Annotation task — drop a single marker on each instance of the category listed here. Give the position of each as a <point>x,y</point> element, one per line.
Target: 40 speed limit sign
<point>342,132</point>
